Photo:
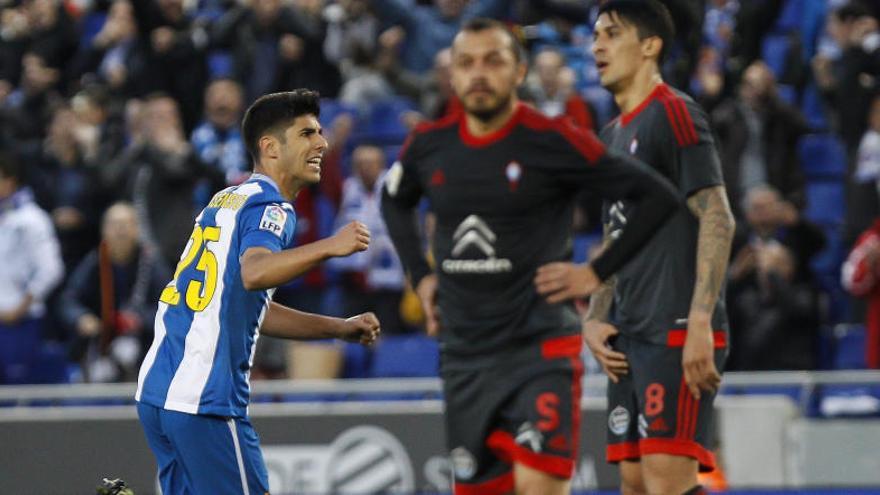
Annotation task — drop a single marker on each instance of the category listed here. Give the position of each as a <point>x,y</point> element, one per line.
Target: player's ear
<point>269,146</point>
<point>652,46</point>
<point>521,70</point>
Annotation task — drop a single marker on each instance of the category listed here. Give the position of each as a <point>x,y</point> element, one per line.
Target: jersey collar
<point>628,117</point>
<point>265,178</point>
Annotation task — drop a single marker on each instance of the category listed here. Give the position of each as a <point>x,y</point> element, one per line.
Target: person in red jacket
<point>861,277</point>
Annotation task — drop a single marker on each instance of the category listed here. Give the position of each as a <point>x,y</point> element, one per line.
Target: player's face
<point>485,72</point>
<point>617,50</point>
<point>302,152</point>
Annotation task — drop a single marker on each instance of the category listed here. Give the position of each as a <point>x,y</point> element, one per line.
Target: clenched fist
<point>350,239</point>
<point>363,329</point>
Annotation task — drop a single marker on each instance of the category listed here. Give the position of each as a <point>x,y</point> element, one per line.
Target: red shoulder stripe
<point>583,140</point>
<point>424,127</point>
<point>679,118</point>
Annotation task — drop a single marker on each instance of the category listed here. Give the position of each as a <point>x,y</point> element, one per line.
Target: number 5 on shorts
<point>198,294</point>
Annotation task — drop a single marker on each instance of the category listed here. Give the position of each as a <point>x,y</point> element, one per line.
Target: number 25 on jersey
<point>198,294</point>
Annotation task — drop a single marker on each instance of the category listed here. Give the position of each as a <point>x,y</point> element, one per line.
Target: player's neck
<point>288,188</point>
<point>479,128</point>
<point>633,92</point>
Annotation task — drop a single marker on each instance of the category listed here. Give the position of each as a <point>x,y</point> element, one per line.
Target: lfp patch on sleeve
<point>274,218</point>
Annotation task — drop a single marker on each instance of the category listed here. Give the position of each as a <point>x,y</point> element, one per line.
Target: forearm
<point>263,269</point>
<point>287,323</point>
<point>403,228</point>
<point>601,301</point>
<point>713,249</point>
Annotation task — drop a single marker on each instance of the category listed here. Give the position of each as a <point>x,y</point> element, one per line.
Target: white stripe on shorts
<point>244,485</point>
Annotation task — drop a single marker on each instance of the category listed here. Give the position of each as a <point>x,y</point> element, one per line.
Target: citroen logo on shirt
<point>474,232</point>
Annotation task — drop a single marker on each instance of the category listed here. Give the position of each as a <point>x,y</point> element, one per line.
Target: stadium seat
<point>813,108</point>
<point>790,17</point>
<point>355,361</point>
<point>849,346</point>
<point>822,156</point>
<point>774,51</point>
<point>52,364</point>
<point>383,124</point>
<point>220,64</point>
<point>330,109</point>
<point>826,203</point>
<point>849,401</point>
<point>405,356</point>
<point>787,93</point>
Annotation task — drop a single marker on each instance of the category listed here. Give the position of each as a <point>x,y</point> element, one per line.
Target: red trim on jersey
<point>676,338</point>
<point>684,448</point>
<point>578,372</point>
<point>495,486</point>
<point>508,450</point>
<point>616,452</point>
<point>493,137</point>
<point>583,140</point>
<point>424,127</point>
<point>562,347</point>
<point>679,117</point>
<point>626,118</point>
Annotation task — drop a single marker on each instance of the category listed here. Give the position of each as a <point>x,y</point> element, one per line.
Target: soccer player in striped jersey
<point>193,387</point>
<point>666,343</point>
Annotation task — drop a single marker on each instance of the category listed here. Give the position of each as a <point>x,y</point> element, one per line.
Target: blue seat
<point>383,124</point>
<point>826,203</point>
<point>790,18</point>
<point>220,64</point>
<point>814,108</point>
<point>52,364</point>
<point>849,347</point>
<point>330,109</point>
<point>822,156</point>
<point>405,356</point>
<point>774,51</point>
<point>356,361</point>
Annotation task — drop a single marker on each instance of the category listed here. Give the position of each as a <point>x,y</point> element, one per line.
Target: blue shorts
<point>204,454</point>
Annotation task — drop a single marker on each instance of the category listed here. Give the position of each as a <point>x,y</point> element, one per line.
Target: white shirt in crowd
<point>30,257</point>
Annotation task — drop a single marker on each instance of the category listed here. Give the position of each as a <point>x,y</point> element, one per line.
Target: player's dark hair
<point>650,17</point>
<point>10,167</point>
<point>273,112</point>
<point>478,24</point>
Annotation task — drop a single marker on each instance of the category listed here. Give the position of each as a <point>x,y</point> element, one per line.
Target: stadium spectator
<point>373,278</point>
<point>176,62</point>
<point>431,28</point>
<point>365,83</point>
<point>159,175</point>
<point>861,277</point>
<point>552,89</point>
<point>350,24</point>
<point>109,301</point>
<point>116,56</point>
<point>759,134</point>
<point>28,108</point>
<point>217,140</point>
<point>848,82</point>
<point>42,27</point>
<point>772,309</point>
<point>771,218</point>
<point>31,268</point>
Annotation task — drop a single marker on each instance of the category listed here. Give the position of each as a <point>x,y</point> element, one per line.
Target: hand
<point>88,325</point>
<point>427,292</point>
<point>16,314</point>
<point>162,39</point>
<point>743,263</point>
<point>698,358</point>
<point>561,281</point>
<point>352,238</point>
<point>363,329</point>
<point>596,335</point>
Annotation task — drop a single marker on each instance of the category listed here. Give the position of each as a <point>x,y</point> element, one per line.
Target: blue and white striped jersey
<point>207,323</point>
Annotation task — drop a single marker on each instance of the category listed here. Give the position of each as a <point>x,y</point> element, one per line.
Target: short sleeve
<point>700,166</point>
<point>268,225</point>
<point>401,183</point>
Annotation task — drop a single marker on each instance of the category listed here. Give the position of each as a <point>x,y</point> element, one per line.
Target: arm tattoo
<point>710,207</point>
<point>601,300</point>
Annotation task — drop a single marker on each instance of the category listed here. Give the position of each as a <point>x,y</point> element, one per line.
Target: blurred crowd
<point>120,118</point>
